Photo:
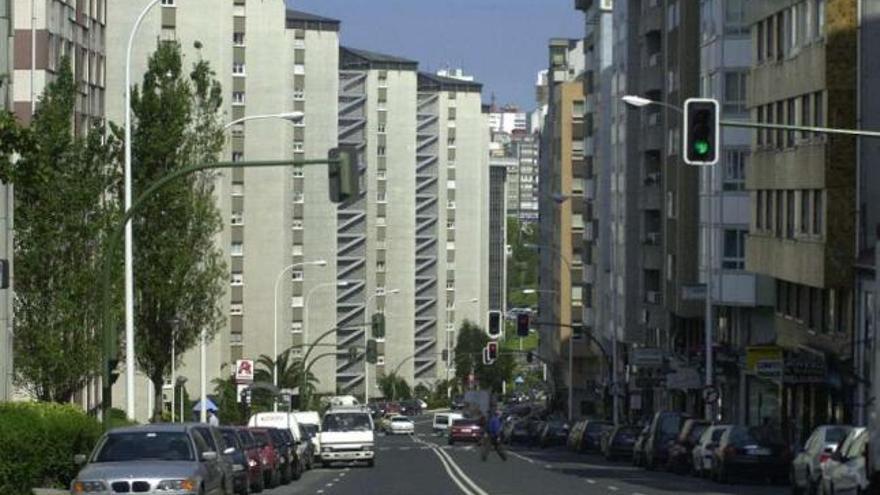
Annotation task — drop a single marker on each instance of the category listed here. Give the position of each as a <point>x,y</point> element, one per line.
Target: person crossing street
<point>492,437</point>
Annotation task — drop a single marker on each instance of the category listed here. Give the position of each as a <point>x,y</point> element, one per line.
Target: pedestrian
<point>213,420</point>
<point>492,437</point>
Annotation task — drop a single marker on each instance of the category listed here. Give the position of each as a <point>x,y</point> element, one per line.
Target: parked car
<point>151,458</point>
<point>310,426</point>
<point>400,425</point>
<point>638,453</point>
<point>442,421</point>
<point>214,439</point>
<point>553,432</point>
<point>703,454</point>
<point>411,407</point>
<point>309,435</point>
<point>619,442</point>
<point>235,451</point>
<point>750,452</point>
<point>806,469</point>
<point>679,459</point>
<point>592,435</point>
<point>665,427</point>
<point>271,462</point>
<point>516,432</point>
<point>844,472</point>
<point>299,451</point>
<point>575,434</point>
<point>465,430</point>
<point>286,454</point>
<point>255,462</point>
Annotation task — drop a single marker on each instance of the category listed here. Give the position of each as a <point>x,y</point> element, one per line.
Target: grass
<point>511,342</point>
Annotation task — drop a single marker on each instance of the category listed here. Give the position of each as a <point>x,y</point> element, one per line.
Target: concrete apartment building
<point>497,237</point>
<point>803,228</point>
<point>7,36</point>
<point>563,231</point>
<point>522,184</point>
<point>507,119</point>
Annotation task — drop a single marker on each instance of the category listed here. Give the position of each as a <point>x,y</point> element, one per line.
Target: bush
<point>38,442</point>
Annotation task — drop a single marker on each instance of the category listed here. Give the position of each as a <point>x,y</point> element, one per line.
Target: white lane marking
<point>592,482</point>
<point>450,474</point>
<point>342,474</point>
<point>520,456</point>
<point>328,485</point>
<point>476,488</point>
<point>320,491</point>
<point>637,493</point>
<point>613,488</point>
<point>548,466</point>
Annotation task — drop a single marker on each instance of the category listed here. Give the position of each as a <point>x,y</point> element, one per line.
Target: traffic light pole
<point>109,335</point>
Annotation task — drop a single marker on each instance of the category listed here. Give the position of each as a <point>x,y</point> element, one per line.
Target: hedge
<point>37,443</point>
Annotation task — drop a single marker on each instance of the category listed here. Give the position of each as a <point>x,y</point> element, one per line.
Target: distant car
<point>844,472</point>
<point>235,449</point>
<point>593,431</point>
<point>214,439</point>
<point>286,455</point>
<point>620,441</point>
<point>638,453</point>
<point>665,427</point>
<point>518,432</point>
<point>806,469</point>
<point>749,453</point>
<point>255,463</point>
<point>465,430</point>
<point>443,421</point>
<point>400,425</point>
<point>679,459</point>
<point>553,432</point>
<point>153,458</point>
<point>703,454</point>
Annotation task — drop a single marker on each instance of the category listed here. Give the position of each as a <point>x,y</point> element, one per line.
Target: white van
<point>281,420</point>
<point>310,422</point>
<point>443,421</point>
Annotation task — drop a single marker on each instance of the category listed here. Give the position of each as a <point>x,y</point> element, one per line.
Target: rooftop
<point>297,19</point>
<point>428,81</point>
<point>353,58</point>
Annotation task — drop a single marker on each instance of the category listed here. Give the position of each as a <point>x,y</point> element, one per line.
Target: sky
<point>502,43</point>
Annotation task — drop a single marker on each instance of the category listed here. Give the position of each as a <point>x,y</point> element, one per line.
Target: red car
<point>253,453</point>
<point>465,430</point>
<point>270,459</point>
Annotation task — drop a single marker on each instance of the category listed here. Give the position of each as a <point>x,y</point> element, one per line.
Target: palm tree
<point>290,374</point>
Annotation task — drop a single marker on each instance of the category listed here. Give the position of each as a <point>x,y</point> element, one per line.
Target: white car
<point>400,425</point>
<point>703,453</point>
<point>806,469</point>
<point>844,473</point>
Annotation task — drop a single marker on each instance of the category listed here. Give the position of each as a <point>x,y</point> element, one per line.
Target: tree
<point>290,375</point>
<point>394,387</point>
<point>469,359</point>
<point>62,214</point>
<point>522,268</point>
<point>229,410</point>
<point>180,270</point>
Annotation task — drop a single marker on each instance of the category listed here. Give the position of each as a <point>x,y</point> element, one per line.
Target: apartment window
<point>768,210</point>
<point>451,115</point>
<point>735,17</point>
<point>237,156</point>
<point>298,172</point>
<point>734,170</point>
<point>789,135</point>
<point>778,208</point>
<point>818,110</point>
<point>789,214</point>
<point>298,147</point>
<point>238,39</point>
<point>296,224</point>
<point>672,15</point>
<point>780,118</point>
<point>299,57</point>
<point>759,210</point>
<point>577,108</point>
<point>805,212</point>
<point>298,197</point>
<point>768,30</point>
<point>759,133</point>
<point>296,327</point>
<point>380,197</point>
<point>380,128</point>
<point>381,174</point>
<point>237,278</point>
<point>383,95</point>
<point>236,309</point>
<point>299,34</point>
<point>383,77</point>
<point>819,17</point>
<point>735,91</point>
<point>238,68</point>
<point>297,250</point>
<point>238,189</point>
<point>168,3</point>
<point>450,224</point>
<point>734,256</point>
<point>236,249</point>
<point>805,114</point>
<point>818,213</point>
<point>238,97</point>
<point>780,36</point>
<point>380,150</point>
<point>759,36</point>
<point>769,132</point>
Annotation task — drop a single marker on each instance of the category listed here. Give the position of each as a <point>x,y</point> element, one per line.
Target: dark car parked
<point>665,428</point>
<point>286,454</point>
<point>553,432</point>
<point>235,450</point>
<point>592,437</point>
<point>751,452</point>
<point>619,442</point>
<point>679,456</point>
<point>253,452</point>
<point>271,462</point>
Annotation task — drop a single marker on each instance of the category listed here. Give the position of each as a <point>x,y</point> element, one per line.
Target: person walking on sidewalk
<point>492,437</point>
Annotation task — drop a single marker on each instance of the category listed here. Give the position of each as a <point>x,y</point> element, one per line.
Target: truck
<point>347,435</point>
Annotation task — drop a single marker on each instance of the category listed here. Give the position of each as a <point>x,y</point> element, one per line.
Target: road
<point>424,464</point>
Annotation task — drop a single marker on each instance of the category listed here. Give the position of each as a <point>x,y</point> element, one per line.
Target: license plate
<point>466,431</point>
<point>759,452</point>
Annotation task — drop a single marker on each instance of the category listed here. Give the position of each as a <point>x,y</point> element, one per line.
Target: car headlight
<point>89,487</point>
<point>177,485</point>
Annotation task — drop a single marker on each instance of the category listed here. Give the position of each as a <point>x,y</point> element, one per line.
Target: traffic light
<point>492,351</point>
<point>378,325</point>
<point>343,173</point>
<point>445,355</point>
<point>372,351</point>
<point>352,353</point>
<point>494,327</point>
<point>577,331</point>
<point>522,324</point>
<point>701,131</point>
<point>530,357</point>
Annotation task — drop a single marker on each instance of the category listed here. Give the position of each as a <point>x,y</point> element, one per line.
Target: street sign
<point>244,371</point>
<point>647,357</point>
<point>240,392</point>
<point>695,292</point>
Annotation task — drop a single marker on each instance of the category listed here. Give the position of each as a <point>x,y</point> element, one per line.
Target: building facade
<point>7,37</point>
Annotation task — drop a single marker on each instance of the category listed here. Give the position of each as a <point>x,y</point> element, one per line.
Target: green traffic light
<point>701,147</point>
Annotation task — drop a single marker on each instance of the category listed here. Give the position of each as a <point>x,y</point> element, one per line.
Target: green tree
<point>229,410</point>
<point>290,375</point>
<point>522,268</point>
<point>180,270</point>
<point>394,387</point>
<point>62,186</point>
<point>469,359</point>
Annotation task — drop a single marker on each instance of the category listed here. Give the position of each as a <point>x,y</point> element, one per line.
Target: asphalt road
<point>424,464</point>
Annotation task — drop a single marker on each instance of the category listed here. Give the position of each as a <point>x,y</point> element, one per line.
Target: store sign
<point>244,371</point>
<point>805,367</point>
<point>647,357</point>
<point>764,361</point>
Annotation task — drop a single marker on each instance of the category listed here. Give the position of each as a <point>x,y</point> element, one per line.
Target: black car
<point>679,458</point>
<point>751,452</point>
<point>620,442</point>
<point>553,432</point>
<point>286,454</point>
<point>592,437</point>
<point>665,428</point>
<point>235,450</point>
<point>410,408</point>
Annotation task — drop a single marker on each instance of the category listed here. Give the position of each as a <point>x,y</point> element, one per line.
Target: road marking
<point>613,488</point>
<point>342,474</point>
<point>548,466</point>
<point>520,457</point>
<point>637,493</point>
<point>451,475</point>
<point>328,485</point>
<point>320,491</point>
<point>454,471</point>
<point>592,482</point>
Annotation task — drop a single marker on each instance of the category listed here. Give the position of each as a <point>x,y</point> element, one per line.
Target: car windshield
<point>146,446</point>
<point>741,436</point>
<point>310,430</point>
<point>835,435</point>
<point>261,437</point>
<point>347,422</point>
<point>400,419</point>
<point>696,432</point>
<point>229,438</point>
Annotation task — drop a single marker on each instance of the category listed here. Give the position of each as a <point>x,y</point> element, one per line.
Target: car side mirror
<point>79,459</point>
<point>229,451</point>
<point>209,456</point>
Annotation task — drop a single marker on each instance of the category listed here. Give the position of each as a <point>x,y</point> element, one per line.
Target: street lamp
<point>293,117</point>
<point>641,102</point>
<point>339,283</point>
<point>367,337</point>
<point>275,318</point>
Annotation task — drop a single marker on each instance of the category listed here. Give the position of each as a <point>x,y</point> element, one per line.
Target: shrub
<point>37,443</point>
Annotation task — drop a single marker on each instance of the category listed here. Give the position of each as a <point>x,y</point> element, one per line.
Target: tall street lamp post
<point>367,338</point>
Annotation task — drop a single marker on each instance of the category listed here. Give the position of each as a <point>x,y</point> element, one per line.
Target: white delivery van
<point>347,435</point>
<point>443,421</point>
<point>310,422</point>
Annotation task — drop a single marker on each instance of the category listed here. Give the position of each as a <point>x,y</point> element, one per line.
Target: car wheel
<point>298,471</point>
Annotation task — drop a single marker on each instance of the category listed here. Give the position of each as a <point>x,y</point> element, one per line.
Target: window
<point>298,147</point>
<point>819,17</point>
<point>236,219</point>
<point>238,189</point>
<point>296,275</point>
<point>780,36</point>
<point>299,34</point>
<point>768,210</point>
<point>238,39</point>
<point>237,156</point>
<point>296,301</point>
<point>818,213</point>
<point>780,118</point>
<point>805,114</point>
<point>168,3</point>
<point>735,92</point>
<point>237,278</point>
<point>734,170</point>
<point>380,151</point>
<point>735,17</point>
<point>298,172</point>
<point>237,68</point>
<point>759,35</point>
<point>778,208</point>
<point>759,210</point>
<point>238,97</point>
<point>805,212</point>
<point>577,108</point>
<point>298,197</point>
<point>734,256</point>
<point>672,15</point>
<point>299,57</point>
<point>296,327</point>
<point>789,214</point>
<point>380,197</point>
<point>818,110</point>
<point>759,133</point>
<point>237,249</point>
<point>296,224</point>
<point>451,113</point>
<point>789,135</point>
<point>769,132</point>
<point>380,128</point>
<point>236,309</point>
<point>768,30</point>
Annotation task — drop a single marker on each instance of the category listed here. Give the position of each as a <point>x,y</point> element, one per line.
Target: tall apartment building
<point>803,225</point>
<point>522,188</point>
<point>497,268</point>
<point>507,119</point>
<point>742,301</point>
<point>563,231</point>
<point>46,31</point>
<point>7,35</point>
